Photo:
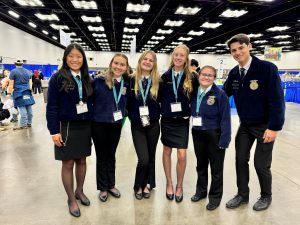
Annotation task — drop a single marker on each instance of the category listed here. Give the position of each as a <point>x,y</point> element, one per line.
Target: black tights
<point>68,180</point>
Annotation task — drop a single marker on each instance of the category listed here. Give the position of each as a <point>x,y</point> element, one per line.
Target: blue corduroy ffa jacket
<point>104,102</point>
<point>215,113</point>
<point>258,104</point>
<point>167,96</point>
<point>61,105</point>
<point>134,102</point>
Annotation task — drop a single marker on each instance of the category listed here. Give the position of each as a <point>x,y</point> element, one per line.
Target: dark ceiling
<point>260,16</point>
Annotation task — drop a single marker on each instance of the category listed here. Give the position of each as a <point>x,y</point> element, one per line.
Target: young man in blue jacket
<point>256,88</point>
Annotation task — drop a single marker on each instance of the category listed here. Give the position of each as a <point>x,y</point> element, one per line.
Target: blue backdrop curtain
<point>47,70</point>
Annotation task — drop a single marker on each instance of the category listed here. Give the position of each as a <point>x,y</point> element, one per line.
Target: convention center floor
<point>31,191</point>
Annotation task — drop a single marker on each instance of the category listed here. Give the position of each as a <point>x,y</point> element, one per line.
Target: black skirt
<point>77,140</point>
<point>175,132</point>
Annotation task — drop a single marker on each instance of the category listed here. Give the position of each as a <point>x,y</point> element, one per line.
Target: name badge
<point>26,97</point>
<point>176,107</point>
<point>118,115</point>
<point>145,121</point>
<point>144,111</point>
<point>197,121</point>
<point>81,108</point>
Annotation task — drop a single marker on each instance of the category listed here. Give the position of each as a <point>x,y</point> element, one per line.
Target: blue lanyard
<point>79,84</point>
<point>175,86</point>
<point>117,99</point>
<point>144,93</point>
<point>199,100</point>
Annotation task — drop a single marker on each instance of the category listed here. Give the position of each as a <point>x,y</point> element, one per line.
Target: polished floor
<point>31,192</point>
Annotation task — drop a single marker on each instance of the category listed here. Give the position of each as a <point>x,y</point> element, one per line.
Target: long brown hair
<point>109,75</point>
<point>187,84</point>
<point>155,77</point>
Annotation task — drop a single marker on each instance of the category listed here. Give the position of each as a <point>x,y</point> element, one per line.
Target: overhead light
<point>176,43</point>
<point>278,28</point>
<point>165,49</point>
<point>201,50</point>
<point>149,46</point>
<point>55,38</point>
<point>284,42</point>
<point>103,44</point>
<point>32,24</point>
<point>187,10</point>
<point>137,7</point>
<point>233,13</point>
<point>196,33</point>
<point>254,35</point>
<point>173,23</point>
<point>282,36</point>
<point>45,32</point>
<point>266,0</point>
<point>194,52</point>
<point>14,14</point>
<point>263,46</point>
<point>185,38</point>
<point>211,25</point>
<point>84,4</point>
<point>101,40</point>
<point>32,3</point>
<point>133,21</point>
<point>46,17</point>
<point>288,46</point>
<point>76,39</point>
<point>98,35</point>
<point>160,31</point>
<point>220,45</point>
<point>126,41</point>
<point>171,46</point>
<point>131,30</point>
<point>158,37</point>
<point>91,19</point>
<point>152,42</point>
<point>260,41</point>
<point>128,36</point>
<point>59,27</point>
<point>210,47</point>
<point>126,44</point>
<point>221,50</point>
<point>91,28</point>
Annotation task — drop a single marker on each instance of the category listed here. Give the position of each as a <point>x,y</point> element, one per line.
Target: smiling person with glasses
<point>211,131</point>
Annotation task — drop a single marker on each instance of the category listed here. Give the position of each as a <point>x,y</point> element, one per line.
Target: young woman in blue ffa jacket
<point>110,97</point>
<point>174,94</point>
<point>258,95</point>
<point>69,114</point>
<point>144,114</point>
<point>211,135</point>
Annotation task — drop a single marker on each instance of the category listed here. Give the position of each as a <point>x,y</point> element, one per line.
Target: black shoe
<point>262,203</point>
<point>84,201</point>
<point>196,198</point>
<point>103,198</point>
<point>236,202</point>
<point>114,192</point>
<point>146,194</point>
<point>75,213</point>
<point>138,196</point>
<point>178,198</point>
<point>211,206</point>
<point>169,196</point>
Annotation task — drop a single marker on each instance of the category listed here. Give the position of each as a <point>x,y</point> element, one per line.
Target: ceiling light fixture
<point>55,38</point>
<point>46,17</point>
<point>185,38</point>
<point>278,28</point>
<point>160,31</point>
<point>32,3</point>
<point>254,35</point>
<point>91,19</point>
<point>97,29</point>
<point>211,25</point>
<point>187,10</point>
<point>174,23</point>
<point>284,42</point>
<point>84,4</point>
<point>196,33</point>
<point>98,35</point>
<point>133,21</point>
<point>137,7</point>
<point>128,36</point>
<point>233,13</point>
<point>45,32</point>
<point>260,41</point>
<point>59,27</point>
<point>282,36</point>
<point>32,24</point>
<point>131,30</point>
<point>158,37</point>
<point>14,14</point>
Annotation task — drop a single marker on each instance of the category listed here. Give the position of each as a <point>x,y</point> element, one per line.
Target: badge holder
<point>145,121</point>
<point>81,107</point>
<point>197,121</point>
<point>176,107</point>
<point>118,115</point>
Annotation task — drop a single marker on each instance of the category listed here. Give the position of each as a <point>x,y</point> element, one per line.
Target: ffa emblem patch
<point>253,84</point>
<point>124,91</point>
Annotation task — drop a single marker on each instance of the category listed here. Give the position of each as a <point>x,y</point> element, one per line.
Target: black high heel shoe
<point>169,196</point>
<point>84,201</point>
<point>178,198</point>
<point>75,213</point>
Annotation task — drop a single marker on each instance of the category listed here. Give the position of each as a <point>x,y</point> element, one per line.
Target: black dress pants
<point>106,137</point>
<point>145,141</point>
<point>244,140</point>
<point>208,152</point>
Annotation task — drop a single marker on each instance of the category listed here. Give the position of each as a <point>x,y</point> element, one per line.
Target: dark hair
<point>64,71</point>
<point>241,38</point>
<point>194,62</point>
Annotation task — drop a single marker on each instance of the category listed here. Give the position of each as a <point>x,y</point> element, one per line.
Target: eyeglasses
<point>207,75</point>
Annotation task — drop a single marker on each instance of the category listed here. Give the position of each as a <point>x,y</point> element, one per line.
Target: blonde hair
<point>155,77</point>
<point>109,75</point>
<point>187,84</point>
